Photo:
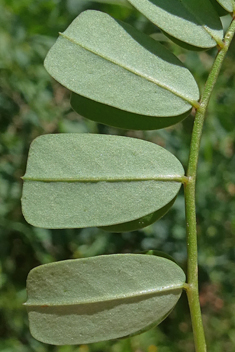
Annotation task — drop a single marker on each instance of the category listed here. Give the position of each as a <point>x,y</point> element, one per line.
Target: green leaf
<point>83,180</point>
<point>101,298</point>
<point>112,63</point>
<point>159,254</point>
<point>182,44</point>
<point>140,223</point>
<point>219,9</point>
<point>194,22</point>
<point>111,2</point>
<point>228,5</point>
<point>111,116</point>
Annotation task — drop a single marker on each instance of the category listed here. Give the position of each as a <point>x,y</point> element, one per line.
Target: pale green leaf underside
<point>114,64</point>
<point>194,22</point>
<point>100,298</point>
<point>228,5</point>
<point>83,180</point>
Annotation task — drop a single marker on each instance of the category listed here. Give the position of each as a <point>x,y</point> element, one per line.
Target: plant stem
<point>190,186</point>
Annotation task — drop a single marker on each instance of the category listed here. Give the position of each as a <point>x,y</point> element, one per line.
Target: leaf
<point>219,9</point>
<point>112,63</point>
<point>101,298</point>
<point>83,180</point>
<point>194,22</point>
<point>111,2</point>
<point>140,223</point>
<point>159,254</point>
<point>111,116</point>
<point>182,44</point>
<point>228,5</point>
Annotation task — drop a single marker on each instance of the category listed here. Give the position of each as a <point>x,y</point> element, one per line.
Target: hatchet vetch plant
<point>120,77</point>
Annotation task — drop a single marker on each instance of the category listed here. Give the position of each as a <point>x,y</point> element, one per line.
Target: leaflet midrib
<point>148,78</point>
<point>169,178</point>
<point>143,293</point>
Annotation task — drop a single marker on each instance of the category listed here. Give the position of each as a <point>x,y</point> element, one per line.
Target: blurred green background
<point>31,103</point>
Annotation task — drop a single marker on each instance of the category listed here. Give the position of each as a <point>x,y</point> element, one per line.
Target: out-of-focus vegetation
<point>32,104</point>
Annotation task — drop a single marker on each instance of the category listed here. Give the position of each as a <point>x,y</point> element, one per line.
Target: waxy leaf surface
<point>194,22</point>
<point>83,180</point>
<point>228,5</point>
<point>101,298</point>
<point>114,64</point>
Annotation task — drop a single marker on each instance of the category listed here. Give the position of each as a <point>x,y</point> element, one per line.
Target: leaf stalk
<point>190,188</point>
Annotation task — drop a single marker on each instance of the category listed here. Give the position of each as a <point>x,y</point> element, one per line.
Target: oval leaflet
<point>113,64</point>
<point>86,180</point>
<point>101,298</point>
<point>193,22</point>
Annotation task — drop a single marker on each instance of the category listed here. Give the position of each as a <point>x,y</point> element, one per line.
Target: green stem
<point>190,207</point>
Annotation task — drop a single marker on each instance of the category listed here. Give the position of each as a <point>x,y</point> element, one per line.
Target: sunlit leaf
<point>114,64</point>
<point>101,298</point>
<point>83,180</point>
<point>194,22</point>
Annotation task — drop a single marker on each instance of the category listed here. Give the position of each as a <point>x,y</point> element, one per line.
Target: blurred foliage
<point>32,104</point>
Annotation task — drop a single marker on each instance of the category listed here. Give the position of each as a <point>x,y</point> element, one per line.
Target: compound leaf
<point>83,180</point>
<point>194,22</point>
<point>112,63</point>
<point>101,298</point>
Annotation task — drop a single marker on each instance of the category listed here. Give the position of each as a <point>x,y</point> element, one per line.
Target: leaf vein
<point>143,293</point>
<point>176,178</point>
<point>136,72</point>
